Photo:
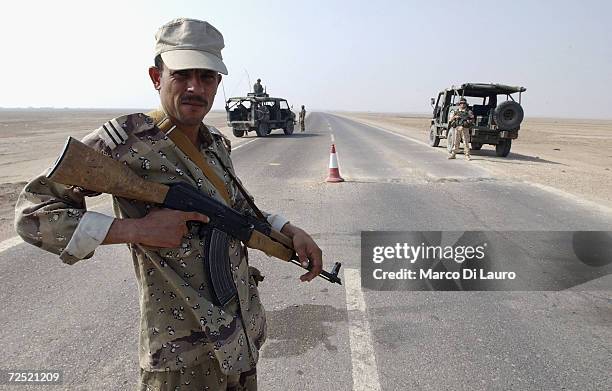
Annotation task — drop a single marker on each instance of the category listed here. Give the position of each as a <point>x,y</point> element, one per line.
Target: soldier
<point>258,88</point>
<point>303,119</point>
<point>187,340</point>
<point>462,120</point>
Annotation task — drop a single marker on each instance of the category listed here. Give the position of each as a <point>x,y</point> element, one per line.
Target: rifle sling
<point>182,142</point>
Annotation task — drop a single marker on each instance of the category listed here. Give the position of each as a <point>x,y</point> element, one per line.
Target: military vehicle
<point>259,113</point>
<point>497,123</point>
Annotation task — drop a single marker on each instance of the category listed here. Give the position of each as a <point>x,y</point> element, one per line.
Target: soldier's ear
<point>155,75</point>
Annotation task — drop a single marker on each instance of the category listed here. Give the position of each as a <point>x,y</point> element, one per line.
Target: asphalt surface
<point>83,319</point>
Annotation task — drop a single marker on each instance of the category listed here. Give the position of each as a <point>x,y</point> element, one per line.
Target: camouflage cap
<point>190,44</point>
<point>463,100</point>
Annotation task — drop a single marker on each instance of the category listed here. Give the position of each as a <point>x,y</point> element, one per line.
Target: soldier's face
<point>186,95</point>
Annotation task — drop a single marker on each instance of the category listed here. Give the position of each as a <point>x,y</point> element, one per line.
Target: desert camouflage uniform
<point>302,119</point>
<point>462,120</point>
<point>180,327</point>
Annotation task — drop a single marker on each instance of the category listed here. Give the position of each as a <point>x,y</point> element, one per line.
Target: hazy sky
<point>333,55</point>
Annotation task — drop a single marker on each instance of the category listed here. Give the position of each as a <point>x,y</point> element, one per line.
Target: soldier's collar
<point>163,123</point>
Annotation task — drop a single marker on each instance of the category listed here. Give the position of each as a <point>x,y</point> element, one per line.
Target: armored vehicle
<point>497,122</point>
<point>259,113</point>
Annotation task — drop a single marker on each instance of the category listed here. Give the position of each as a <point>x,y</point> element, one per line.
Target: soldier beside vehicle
<point>496,121</point>
<point>462,120</point>
<point>303,119</point>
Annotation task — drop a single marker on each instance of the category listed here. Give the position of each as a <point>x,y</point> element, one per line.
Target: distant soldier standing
<point>258,88</point>
<point>462,120</point>
<point>303,119</point>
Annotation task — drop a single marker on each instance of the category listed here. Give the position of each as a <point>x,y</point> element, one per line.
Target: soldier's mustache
<point>194,99</point>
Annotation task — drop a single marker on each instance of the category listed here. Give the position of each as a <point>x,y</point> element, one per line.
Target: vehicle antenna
<point>248,77</point>
<point>223,86</point>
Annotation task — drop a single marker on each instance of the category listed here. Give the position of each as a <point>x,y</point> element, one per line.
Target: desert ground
<point>30,140</point>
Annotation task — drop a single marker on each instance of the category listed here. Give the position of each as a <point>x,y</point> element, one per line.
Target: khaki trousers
<point>461,133</point>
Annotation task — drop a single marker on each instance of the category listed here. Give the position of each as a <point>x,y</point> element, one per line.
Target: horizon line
<point>415,113</point>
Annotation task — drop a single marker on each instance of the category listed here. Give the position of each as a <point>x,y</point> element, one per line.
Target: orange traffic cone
<point>334,171</point>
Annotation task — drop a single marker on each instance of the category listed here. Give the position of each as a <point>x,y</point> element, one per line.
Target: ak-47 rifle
<point>80,165</point>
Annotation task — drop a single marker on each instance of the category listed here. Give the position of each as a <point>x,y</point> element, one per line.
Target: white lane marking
<point>274,164</point>
<point>402,136</point>
<point>365,374</point>
<point>243,144</point>
<point>8,243</point>
<point>571,197</point>
<point>333,139</point>
<point>388,131</point>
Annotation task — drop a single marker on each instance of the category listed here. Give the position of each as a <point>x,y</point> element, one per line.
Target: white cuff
<point>89,234</point>
<point>277,221</point>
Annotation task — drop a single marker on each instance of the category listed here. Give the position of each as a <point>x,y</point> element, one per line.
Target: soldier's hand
<point>307,251</point>
<point>164,228</point>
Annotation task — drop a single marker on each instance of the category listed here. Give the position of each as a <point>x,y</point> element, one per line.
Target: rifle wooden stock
<point>80,165</point>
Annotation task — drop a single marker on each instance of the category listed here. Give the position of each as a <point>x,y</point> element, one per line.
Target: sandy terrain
<point>570,155</point>
<point>30,140</point>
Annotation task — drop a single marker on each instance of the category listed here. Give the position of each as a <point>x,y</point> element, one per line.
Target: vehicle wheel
<point>288,129</point>
<point>434,140</point>
<point>238,132</point>
<point>503,148</point>
<point>475,146</point>
<point>449,140</point>
<point>262,130</point>
<point>508,115</point>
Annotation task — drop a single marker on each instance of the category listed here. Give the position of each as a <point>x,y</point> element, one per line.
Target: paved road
<point>83,318</point>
